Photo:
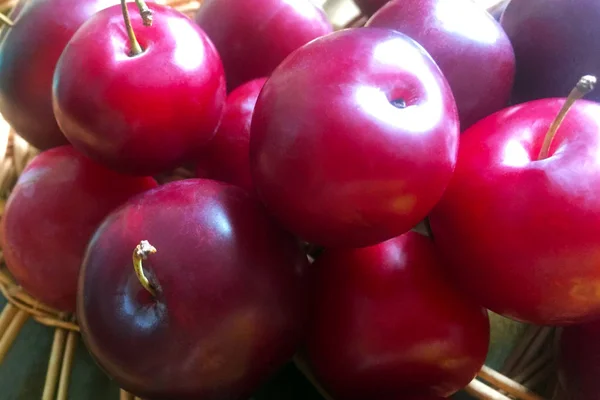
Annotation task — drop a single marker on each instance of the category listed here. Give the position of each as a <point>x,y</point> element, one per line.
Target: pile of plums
<point>303,138</point>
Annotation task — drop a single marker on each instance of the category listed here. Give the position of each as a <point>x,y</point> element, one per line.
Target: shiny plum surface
<point>230,302</point>
<point>360,153</point>
<point>140,114</point>
<point>58,202</point>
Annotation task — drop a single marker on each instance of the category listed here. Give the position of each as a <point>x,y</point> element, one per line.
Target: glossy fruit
<point>253,37</point>
<point>230,303</point>
<point>226,157</point>
<point>139,114</point>
<point>554,42</point>
<point>389,325</point>
<point>369,7</point>
<point>28,55</point>
<point>468,45</point>
<point>357,149</point>
<point>522,234</point>
<point>58,202</point>
<point>579,361</point>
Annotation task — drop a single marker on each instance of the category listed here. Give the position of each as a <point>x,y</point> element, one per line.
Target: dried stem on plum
<point>584,86</point>
<point>140,253</point>
<point>135,45</point>
<point>145,12</point>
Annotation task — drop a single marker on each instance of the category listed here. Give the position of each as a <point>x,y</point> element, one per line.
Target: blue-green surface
<point>23,372</point>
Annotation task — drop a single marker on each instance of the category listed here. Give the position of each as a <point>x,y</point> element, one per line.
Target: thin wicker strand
<point>56,356</point>
<point>4,278</point>
<point>37,306</point>
<point>506,384</point>
<point>177,3</point>
<point>482,391</point>
<point>5,20</point>
<point>357,22</point>
<point>12,332</point>
<point>541,376</point>
<point>304,368</point>
<point>56,323</point>
<point>6,317</point>
<point>527,372</point>
<point>8,176</point>
<point>16,301</point>
<point>533,350</point>
<point>559,393</point>
<point>354,21</point>
<point>520,348</point>
<point>67,366</point>
<point>23,153</point>
<point>188,8</point>
<point>39,311</point>
<point>18,296</point>
<point>4,138</point>
<point>30,309</point>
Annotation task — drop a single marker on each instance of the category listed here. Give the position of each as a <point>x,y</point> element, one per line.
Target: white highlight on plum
<point>183,57</point>
<point>302,7</point>
<point>453,14</point>
<point>515,155</point>
<point>220,221</point>
<point>402,54</point>
<point>423,117</point>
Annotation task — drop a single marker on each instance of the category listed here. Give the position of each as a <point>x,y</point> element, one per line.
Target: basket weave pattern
<point>529,365</point>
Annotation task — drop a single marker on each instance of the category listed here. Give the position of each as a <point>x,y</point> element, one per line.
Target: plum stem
<point>5,20</point>
<point>141,252</point>
<point>145,12</point>
<point>584,86</point>
<point>135,45</point>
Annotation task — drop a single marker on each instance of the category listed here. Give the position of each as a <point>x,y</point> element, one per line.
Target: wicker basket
<point>529,365</point>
